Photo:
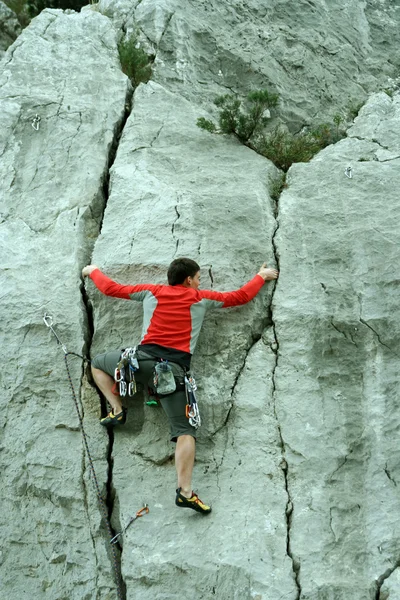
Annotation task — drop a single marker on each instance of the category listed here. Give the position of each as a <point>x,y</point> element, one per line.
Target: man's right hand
<point>268,274</point>
<point>88,269</point>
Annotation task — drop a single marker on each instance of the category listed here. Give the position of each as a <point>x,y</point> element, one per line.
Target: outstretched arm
<point>111,288</point>
<point>244,294</point>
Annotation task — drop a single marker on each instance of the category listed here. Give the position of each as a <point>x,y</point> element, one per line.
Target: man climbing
<point>172,319</point>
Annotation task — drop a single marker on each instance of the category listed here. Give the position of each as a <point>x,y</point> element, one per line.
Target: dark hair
<point>180,268</point>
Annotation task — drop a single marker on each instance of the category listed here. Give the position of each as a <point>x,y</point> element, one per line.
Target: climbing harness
<point>140,513</point>
<point>192,408</point>
<point>48,320</point>
<point>36,122</point>
<point>125,370</point>
<point>349,172</point>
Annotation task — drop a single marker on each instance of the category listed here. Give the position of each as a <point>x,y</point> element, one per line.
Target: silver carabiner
<point>48,320</point>
<point>349,172</point>
<point>36,122</point>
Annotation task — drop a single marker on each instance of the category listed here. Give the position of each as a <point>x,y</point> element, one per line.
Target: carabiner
<point>36,122</point>
<point>143,511</point>
<point>140,513</point>
<point>48,320</point>
<point>348,172</point>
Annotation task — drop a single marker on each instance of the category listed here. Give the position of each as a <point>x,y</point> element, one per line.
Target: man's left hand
<point>88,269</point>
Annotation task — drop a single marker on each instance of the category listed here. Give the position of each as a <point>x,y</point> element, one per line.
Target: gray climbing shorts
<point>174,404</point>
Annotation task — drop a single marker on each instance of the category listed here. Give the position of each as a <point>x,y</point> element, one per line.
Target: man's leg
<point>184,461</point>
<point>184,435</point>
<point>105,384</point>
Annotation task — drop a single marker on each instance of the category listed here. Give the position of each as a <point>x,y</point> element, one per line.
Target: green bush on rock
<point>246,123</point>
<point>249,125</point>
<point>135,63</point>
<point>283,148</point>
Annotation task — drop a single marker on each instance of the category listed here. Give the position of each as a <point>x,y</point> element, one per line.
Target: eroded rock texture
<point>299,389</point>
<point>52,203</point>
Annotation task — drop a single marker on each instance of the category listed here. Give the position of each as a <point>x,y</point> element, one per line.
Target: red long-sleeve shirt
<point>173,314</point>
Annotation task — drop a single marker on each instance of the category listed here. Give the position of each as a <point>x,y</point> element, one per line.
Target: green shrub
<point>249,124</point>
<point>243,121</point>
<point>276,184</point>
<point>134,61</point>
<point>283,148</point>
<point>323,134</point>
<point>21,10</point>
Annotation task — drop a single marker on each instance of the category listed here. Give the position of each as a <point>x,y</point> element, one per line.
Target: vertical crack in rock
<point>86,505</point>
<point>88,337</point>
<point>256,338</point>
<point>109,498</point>
<point>178,216</point>
<point>389,476</point>
<point>113,150</point>
<point>284,464</point>
<point>381,580</point>
<point>165,28</point>
<point>210,273</point>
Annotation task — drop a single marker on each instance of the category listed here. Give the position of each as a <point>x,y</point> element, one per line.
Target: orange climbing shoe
<point>194,502</point>
<point>111,420</point>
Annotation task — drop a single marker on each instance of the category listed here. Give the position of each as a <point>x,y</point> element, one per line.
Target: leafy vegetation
<point>135,63</point>
<point>276,184</point>
<point>283,148</point>
<point>243,121</point>
<point>249,120</point>
<point>21,10</point>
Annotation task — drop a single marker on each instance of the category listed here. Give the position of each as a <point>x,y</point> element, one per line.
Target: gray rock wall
<point>337,385</point>
<point>52,201</point>
<point>299,390</point>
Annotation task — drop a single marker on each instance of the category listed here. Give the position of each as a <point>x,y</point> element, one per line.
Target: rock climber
<point>172,319</point>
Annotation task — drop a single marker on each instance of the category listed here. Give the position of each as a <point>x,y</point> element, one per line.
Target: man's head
<point>184,271</point>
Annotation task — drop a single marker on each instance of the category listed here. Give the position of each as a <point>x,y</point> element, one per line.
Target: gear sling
<point>163,380</point>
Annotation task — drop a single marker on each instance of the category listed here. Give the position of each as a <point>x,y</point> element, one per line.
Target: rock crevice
<point>284,464</point>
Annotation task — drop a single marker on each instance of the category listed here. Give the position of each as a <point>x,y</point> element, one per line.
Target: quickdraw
<point>124,374</point>
<point>192,408</point>
<point>140,513</point>
<point>36,122</point>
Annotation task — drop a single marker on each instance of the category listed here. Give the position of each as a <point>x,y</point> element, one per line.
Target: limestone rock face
<point>52,200</point>
<point>323,58</point>
<point>298,390</point>
<point>337,383</point>
<point>170,196</point>
<point>9,27</point>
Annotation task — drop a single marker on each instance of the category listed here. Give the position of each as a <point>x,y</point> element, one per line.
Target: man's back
<point>173,314</point>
